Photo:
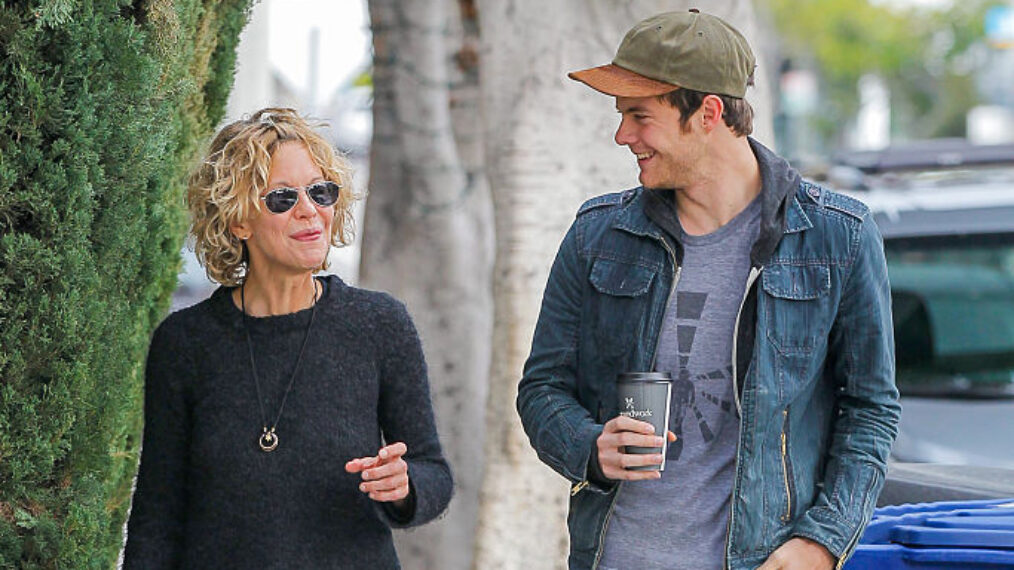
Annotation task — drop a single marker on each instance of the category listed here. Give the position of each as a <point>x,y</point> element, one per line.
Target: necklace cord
<point>253,363</point>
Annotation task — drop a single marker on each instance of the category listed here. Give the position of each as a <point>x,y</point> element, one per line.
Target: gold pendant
<point>268,440</point>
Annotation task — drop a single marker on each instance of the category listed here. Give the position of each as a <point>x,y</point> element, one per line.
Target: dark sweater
<point>208,497</point>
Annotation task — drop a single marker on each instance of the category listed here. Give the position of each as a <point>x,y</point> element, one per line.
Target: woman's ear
<point>241,230</point>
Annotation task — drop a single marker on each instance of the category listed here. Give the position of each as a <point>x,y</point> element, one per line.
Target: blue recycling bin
<point>945,535</point>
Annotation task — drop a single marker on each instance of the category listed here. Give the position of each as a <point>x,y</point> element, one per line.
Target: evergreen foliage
<point>102,106</point>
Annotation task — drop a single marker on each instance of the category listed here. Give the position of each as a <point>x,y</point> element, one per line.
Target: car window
<point>953,301</point>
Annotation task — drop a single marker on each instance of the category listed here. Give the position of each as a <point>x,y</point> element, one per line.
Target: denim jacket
<point>813,362</point>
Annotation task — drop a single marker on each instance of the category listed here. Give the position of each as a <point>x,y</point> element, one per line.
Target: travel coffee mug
<point>645,396</point>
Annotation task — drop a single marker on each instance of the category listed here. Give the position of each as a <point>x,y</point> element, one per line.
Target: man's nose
<point>623,135</point>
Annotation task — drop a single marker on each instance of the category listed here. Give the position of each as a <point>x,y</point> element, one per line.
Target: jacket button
<point>813,192</point>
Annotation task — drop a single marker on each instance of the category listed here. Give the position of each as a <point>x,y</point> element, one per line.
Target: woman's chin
<point>313,264</point>
<point>311,260</point>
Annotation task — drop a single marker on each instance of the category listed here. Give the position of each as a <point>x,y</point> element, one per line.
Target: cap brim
<point>619,82</point>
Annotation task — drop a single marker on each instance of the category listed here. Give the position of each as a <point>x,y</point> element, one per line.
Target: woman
<point>267,406</point>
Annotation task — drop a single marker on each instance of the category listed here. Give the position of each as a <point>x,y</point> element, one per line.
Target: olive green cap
<point>672,50</point>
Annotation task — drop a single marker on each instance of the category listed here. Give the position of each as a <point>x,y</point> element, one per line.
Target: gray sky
<point>344,40</point>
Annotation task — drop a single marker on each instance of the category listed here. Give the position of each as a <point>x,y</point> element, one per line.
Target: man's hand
<point>619,432</point>
<point>385,476</point>
<point>799,554</point>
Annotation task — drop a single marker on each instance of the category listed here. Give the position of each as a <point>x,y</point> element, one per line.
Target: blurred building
<point>993,122</point>
<point>975,85</point>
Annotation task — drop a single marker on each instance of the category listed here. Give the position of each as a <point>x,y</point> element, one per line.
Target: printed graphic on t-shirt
<point>690,387</point>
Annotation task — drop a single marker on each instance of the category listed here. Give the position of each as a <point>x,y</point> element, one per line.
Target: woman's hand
<point>385,476</point>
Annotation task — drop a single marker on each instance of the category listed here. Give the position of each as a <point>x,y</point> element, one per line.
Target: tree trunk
<point>429,233</point>
<point>454,143</point>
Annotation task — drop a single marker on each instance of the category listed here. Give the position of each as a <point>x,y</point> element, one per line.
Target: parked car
<point>946,211</point>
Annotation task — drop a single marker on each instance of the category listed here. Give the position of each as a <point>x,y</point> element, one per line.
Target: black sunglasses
<point>281,200</point>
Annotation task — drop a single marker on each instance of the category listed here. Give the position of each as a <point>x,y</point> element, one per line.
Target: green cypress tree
<point>102,106</point>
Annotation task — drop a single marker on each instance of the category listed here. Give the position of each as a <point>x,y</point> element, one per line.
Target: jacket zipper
<point>851,546</point>
<point>856,536</point>
<point>677,270</point>
<point>750,280</point>
<point>785,465</point>
<point>577,488</point>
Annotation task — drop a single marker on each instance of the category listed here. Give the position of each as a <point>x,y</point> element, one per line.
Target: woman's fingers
<point>385,484</point>
<point>389,496</point>
<point>385,476</point>
<point>386,470</point>
<point>392,451</point>
<point>385,455</point>
<point>358,464</point>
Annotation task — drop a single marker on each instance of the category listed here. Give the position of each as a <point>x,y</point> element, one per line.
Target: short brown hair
<point>738,114</point>
<point>225,189</point>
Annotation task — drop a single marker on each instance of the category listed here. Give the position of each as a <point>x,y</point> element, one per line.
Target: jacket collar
<point>780,211</point>
<point>647,212</point>
<point>633,216</point>
<point>796,219</point>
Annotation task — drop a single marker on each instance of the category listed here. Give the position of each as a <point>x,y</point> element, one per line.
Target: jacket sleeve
<point>157,523</point>
<point>560,429</point>
<point>405,413</point>
<point>861,359</point>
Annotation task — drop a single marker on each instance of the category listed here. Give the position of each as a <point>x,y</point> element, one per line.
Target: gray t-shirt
<point>680,521</point>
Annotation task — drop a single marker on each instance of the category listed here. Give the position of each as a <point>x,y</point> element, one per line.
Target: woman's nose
<point>304,205</point>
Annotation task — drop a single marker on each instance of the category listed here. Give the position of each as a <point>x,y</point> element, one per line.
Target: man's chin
<point>656,186</point>
<point>649,184</point>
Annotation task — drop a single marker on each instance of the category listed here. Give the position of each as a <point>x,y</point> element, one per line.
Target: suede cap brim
<point>619,82</point>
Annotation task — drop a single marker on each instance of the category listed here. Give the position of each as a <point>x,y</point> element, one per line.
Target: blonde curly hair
<point>225,188</point>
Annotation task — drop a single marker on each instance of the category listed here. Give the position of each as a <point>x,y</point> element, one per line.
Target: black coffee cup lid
<point>645,377</point>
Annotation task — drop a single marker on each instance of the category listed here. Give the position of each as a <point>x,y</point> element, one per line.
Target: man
<point>764,296</point>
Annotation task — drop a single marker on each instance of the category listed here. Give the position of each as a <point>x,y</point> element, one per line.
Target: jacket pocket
<point>586,520</point>
<point>619,304</point>
<point>797,306</point>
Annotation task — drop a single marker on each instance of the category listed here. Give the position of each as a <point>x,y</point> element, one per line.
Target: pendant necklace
<point>268,439</point>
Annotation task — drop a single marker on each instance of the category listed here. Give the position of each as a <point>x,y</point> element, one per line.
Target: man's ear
<point>711,111</point>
